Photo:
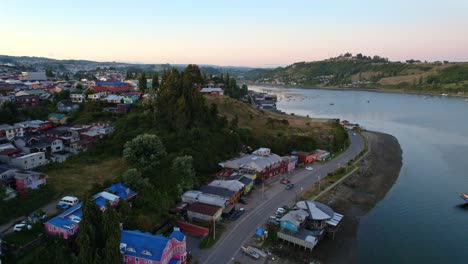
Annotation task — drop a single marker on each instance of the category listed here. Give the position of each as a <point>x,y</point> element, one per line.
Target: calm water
<point>421,219</point>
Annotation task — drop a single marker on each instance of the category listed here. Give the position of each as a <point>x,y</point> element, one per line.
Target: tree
<point>155,81</point>
<point>182,169</point>
<point>8,113</point>
<point>111,224</point>
<point>142,82</point>
<point>62,95</point>
<point>132,179</point>
<point>144,152</point>
<point>90,238</point>
<point>79,86</point>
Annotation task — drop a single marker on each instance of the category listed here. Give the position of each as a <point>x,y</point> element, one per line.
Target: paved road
<point>238,233</point>
<point>49,209</point>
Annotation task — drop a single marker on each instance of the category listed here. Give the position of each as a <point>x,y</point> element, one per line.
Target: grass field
<point>76,177</point>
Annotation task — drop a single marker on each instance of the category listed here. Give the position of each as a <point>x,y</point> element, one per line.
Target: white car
<point>22,226</point>
<point>309,168</point>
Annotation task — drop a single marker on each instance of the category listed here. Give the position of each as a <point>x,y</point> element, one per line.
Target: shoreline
<point>354,197</point>
<point>377,90</point>
<point>358,194</point>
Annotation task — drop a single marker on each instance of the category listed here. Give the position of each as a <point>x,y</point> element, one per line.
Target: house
<point>11,131</point>
<point>322,155</point>
<point>8,152</point>
<point>138,248</point>
<point>33,126</point>
<point>60,156</point>
<point>304,157</point>
<point>114,99</point>
<point>212,91</point>
<point>66,224</point>
<point>131,98</point>
<point>29,161</point>
<point>233,185</point>
<point>112,87</point>
<point>35,76</point>
<point>29,180</point>
<point>122,191</point>
<point>197,196</point>
<point>262,161</point>
<point>27,101</point>
<point>66,106</point>
<point>204,212</point>
<point>97,96</point>
<point>38,144</point>
<point>232,196</point>
<point>66,134</point>
<point>290,161</point>
<point>57,118</point>
<point>78,98</point>
<point>7,173</point>
<point>248,183</point>
<point>293,220</point>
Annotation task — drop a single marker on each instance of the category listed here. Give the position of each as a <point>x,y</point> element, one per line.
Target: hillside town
<point>236,188</point>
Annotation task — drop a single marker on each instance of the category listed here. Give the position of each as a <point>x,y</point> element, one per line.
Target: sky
<point>238,33</point>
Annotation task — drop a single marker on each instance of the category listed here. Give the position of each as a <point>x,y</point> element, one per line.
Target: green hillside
<point>364,72</point>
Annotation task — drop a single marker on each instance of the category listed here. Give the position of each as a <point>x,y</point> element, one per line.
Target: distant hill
<point>364,72</point>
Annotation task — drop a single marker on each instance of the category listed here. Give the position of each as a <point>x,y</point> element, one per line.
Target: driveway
<point>264,203</point>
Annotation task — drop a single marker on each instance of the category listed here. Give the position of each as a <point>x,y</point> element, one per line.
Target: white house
<point>11,131</point>
<point>78,98</point>
<point>30,161</point>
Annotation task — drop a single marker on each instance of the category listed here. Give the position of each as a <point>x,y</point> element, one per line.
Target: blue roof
<point>138,244</point>
<point>177,235</point>
<point>68,218</point>
<point>121,191</point>
<point>4,168</point>
<point>110,83</point>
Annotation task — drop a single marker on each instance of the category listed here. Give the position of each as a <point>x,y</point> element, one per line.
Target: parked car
<point>290,186</point>
<point>62,206</point>
<point>237,214</point>
<point>285,207</point>
<point>243,200</point>
<point>273,222</point>
<point>21,226</point>
<point>69,200</point>
<point>285,181</point>
<point>309,168</point>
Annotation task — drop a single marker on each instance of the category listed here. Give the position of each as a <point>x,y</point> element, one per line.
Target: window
<point>125,259</point>
<point>137,261</point>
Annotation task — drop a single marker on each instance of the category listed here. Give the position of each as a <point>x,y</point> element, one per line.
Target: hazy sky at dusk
<point>234,32</point>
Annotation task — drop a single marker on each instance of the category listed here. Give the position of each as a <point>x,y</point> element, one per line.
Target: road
<point>49,209</point>
<point>227,249</point>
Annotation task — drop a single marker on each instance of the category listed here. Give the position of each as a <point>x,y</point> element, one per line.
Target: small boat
<point>444,94</point>
<point>251,253</point>
<point>464,196</point>
<point>466,99</point>
<point>368,101</point>
<point>332,104</point>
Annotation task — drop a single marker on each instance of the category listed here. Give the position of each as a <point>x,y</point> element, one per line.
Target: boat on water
<point>466,99</point>
<point>464,196</point>
<point>332,103</point>
<point>444,94</point>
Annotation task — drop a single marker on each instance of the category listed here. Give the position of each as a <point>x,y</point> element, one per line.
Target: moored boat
<point>464,196</point>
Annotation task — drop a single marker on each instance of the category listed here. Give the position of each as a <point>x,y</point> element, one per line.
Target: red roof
<point>9,151</point>
<point>121,88</point>
<point>203,208</point>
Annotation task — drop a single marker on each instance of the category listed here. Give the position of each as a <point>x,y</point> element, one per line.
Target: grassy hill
<point>282,133</point>
<point>364,72</point>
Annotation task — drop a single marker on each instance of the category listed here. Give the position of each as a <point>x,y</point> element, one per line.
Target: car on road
<point>309,168</point>
<point>62,206</point>
<point>243,200</point>
<point>273,222</point>
<point>354,134</point>
<point>237,214</point>
<point>285,207</point>
<point>21,226</point>
<point>290,186</point>
<point>285,181</point>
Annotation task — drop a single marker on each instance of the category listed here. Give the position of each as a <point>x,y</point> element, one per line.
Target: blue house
<point>121,191</point>
<point>293,220</point>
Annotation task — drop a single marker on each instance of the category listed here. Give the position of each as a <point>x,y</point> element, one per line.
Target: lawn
<point>77,176</point>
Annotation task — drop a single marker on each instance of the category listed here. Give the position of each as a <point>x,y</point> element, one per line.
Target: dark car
<point>243,201</point>
<point>290,186</point>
